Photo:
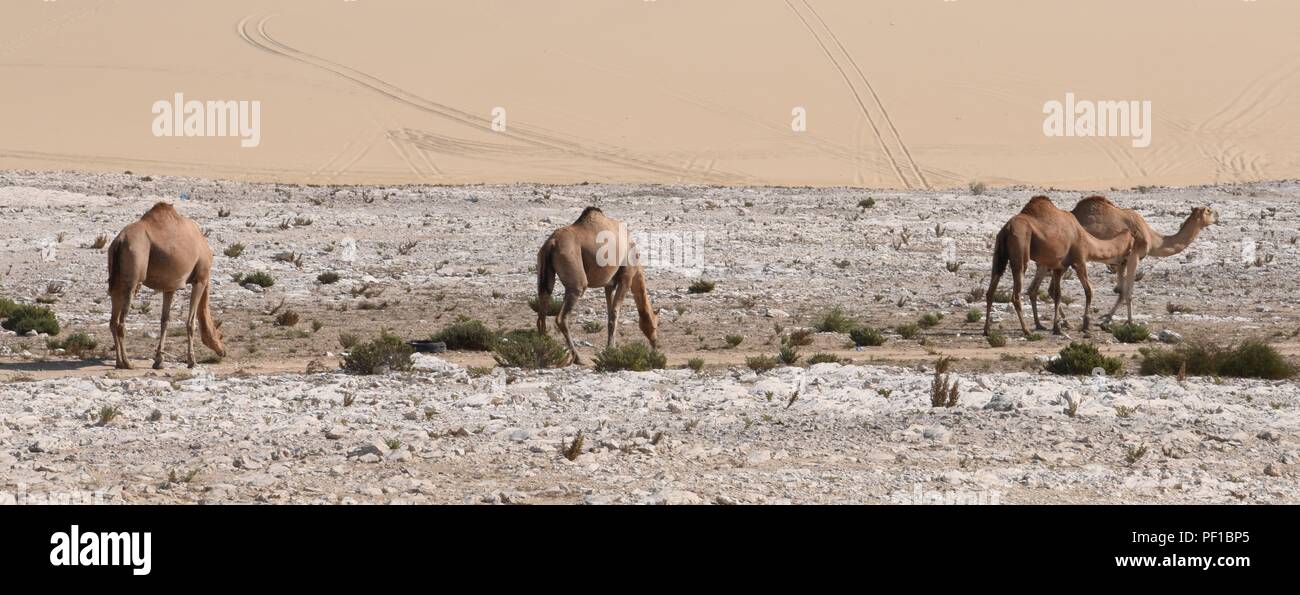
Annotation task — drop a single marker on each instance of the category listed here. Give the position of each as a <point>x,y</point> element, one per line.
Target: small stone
<point>1271,471</point>
<point>155,415</point>
<point>1170,337</point>
<point>44,445</point>
<point>336,432</point>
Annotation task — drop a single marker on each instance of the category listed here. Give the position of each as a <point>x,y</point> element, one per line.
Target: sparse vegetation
<point>761,363</point>
<point>867,337</point>
<point>695,364</point>
<point>907,331</point>
<point>328,278</point>
<point>788,355</point>
<point>637,357</point>
<point>348,340</point>
<point>701,285</point>
<point>23,318</point>
<point>734,340</point>
<point>1251,359</point>
<point>1173,308</point>
<point>76,345</point>
<point>867,203</point>
<point>824,358</point>
<point>574,448</point>
<point>1130,333</point>
<point>287,318</point>
<point>553,305</point>
<point>944,392</point>
<point>1080,358</point>
<point>996,339</point>
<point>834,321</point>
<point>258,278</point>
<point>467,334</point>
<point>978,188</point>
<point>974,315</point>
<point>107,413</point>
<point>528,350</point>
<point>234,250</point>
<point>929,320</point>
<point>799,337</point>
<point>388,353</point>
<point>591,326</point>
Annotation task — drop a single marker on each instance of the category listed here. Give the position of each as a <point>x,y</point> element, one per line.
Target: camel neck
<point>1171,245</point>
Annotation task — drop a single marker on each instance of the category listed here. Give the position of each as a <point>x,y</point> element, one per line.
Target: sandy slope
<point>899,93</point>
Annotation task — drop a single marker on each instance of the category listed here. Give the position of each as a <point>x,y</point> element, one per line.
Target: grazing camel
<point>1054,240</point>
<point>164,251</point>
<point>595,251</point>
<point>1104,220</point>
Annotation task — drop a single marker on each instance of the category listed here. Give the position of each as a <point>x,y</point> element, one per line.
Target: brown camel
<point>595,251</point>
<point>1054,240</point>
<point>165,252</point>
<point>1104,220</point>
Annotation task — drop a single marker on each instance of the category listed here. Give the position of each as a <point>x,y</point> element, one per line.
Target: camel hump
<point>1039,204</point>
<point>161,210</point>
<point>1095,201</point>
<point>587,212</point>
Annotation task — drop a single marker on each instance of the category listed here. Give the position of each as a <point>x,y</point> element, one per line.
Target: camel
<point>165,252</point>
<point>595,251</point>
<point>1104,220</point>
<point>1054,240</point>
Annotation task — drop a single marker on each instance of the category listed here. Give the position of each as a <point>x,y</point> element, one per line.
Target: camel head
<point>1204,216</point>
<point>212,338</point>
<point>650,327</point>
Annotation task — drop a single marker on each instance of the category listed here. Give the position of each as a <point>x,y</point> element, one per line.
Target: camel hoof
<point>123,366</point>
<point>191,365</point>
<point>157,365</point>
<point>1039,327</point>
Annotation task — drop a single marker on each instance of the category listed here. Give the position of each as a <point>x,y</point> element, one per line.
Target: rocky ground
<point>259,427</point>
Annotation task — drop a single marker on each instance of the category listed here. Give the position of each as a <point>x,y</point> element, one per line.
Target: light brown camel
<point>165,252</point>
<point>1054,240</point>
<point>595,251</point>
<point>1104,220</point>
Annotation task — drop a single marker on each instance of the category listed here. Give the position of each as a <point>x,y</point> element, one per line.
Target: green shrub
<point>834,321</point>
<point>1255,359</point>
<point>553,305</point>
<point>974,315</point>
<point>348,340</point>
<point>258,278</point>
<point>386,352</point>
<point>1251,359</point>
<point>529,350</point>
<point>907,331</point>
<point>23,318</point>
<point>1079,358</point>
<point>1002,296</point>
<point>695,364</point>
<point>591,326</point>
<point>327,278</point>
<point>234,250</point>
<point>929,320</point>
<point>701,286</point>
<point>1130,333</point>
<point>824,358</point>
<point>867,203</point>
<point>637,357</point>
<point>1031,337</point>
<point>996,339</point>
<point>7,306</point>
<point>761,363</point>
<point>799,338</point>
<point>76,345</point>
<point>734,340</point>
<point>789,355</point>
<point>467,334</point>
<point>867,337</point>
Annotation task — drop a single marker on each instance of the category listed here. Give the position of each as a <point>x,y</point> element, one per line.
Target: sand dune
<point>897,93</point>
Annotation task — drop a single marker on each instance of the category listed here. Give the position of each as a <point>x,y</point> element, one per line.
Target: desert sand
<point>897,93</point>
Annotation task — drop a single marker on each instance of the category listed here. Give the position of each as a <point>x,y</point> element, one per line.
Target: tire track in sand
<point>898,137</point>
<point>590,150</point>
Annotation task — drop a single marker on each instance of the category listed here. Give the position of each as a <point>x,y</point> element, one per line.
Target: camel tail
<point>1001,256</point>
<point>207,328</point>
<point>114,264</point>
<point>545,282</point>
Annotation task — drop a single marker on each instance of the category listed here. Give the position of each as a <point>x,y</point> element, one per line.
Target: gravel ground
<point>255,427</point>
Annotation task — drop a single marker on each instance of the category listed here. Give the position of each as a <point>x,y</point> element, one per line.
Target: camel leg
<point>988,302</point>
<point>611,315</point>
<point>1081,268</point>
<point>1017,285</point>
<point>162,332</point>
<point>1039,273</point>
<point>196,291</point>
<point>117,326</point>
<point>1055,290</point>
<point>1126,273</point>
<point>571,295</point>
